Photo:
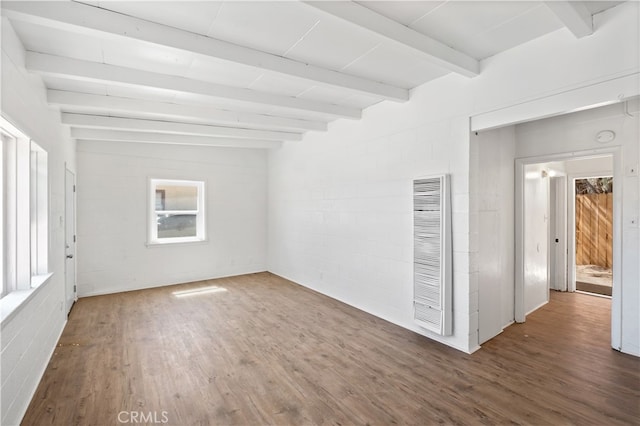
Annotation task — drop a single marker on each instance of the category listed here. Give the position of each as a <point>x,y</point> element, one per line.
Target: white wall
<point>575,133</point>
<point>492,197</point>
<point>340,201</point>
<point>584,166</point>
<point>340,218</point>
<point>30,335</point>
<point>113,211</point>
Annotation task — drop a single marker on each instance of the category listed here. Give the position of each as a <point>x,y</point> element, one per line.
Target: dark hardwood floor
<point>258,350</point>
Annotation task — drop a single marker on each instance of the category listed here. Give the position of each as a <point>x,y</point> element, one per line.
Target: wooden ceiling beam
<point>90,103</point>
<point>430,49</point>
<point>91,20</point>
<point>88,121</point>
<point>574,15</point>
<point>164,138</point>
<point>74,69</point>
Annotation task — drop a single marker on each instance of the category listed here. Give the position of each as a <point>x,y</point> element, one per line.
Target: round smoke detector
<point>605,136</point>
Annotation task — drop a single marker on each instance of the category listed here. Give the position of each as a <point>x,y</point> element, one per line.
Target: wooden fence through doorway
<point>594,229</point>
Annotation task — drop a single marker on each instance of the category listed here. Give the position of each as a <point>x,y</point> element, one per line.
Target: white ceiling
<point>238,73</point>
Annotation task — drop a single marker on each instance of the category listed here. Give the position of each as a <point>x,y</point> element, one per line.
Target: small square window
<point>176,211</point>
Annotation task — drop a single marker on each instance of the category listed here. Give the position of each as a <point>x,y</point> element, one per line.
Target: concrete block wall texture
<point>113,215</point>
<point>29,336</point>
<point>340,218</point>
<point>492,200</point>
<point>340,201</point>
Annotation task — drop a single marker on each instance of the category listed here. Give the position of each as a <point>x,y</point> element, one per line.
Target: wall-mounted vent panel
<point>432,254</point>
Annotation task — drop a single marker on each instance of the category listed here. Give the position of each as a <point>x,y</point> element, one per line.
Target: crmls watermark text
<point>160,417</point>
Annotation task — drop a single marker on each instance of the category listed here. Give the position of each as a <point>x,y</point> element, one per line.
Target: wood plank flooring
<point>260,350</point>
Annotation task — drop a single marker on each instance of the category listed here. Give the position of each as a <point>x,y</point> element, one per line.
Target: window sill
<point>175,243</point>
<point>13,302</point>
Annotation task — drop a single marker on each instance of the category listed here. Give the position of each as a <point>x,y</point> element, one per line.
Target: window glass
<point>176,225</point>
<point>24,210</point>
<point>178,197</point>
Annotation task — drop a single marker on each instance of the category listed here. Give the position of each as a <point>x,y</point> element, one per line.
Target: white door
<point>70,239</point>
<point>558,240</point>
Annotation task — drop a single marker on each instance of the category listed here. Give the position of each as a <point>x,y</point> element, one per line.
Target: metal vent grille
<point>432,254</point>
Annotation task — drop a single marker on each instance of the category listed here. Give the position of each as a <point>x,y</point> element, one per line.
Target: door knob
<point>69,256</point>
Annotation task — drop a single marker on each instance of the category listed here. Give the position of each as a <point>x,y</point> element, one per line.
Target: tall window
<point>39,210</point>
<point>176,211</point>
<point>24,211</point>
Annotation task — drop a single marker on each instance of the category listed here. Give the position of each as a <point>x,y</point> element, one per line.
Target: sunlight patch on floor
<point>199,291</point>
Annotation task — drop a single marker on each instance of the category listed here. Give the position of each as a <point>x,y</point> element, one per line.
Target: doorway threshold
<point>590,293</point>
<point>596,288</point>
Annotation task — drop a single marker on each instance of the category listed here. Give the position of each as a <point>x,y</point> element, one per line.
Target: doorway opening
<point>594,235</point>
<point>565,228</point>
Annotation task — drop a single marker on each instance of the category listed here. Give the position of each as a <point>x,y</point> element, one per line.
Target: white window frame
<point>200,236</point>
<point>39,210</point>
<point>24,216</point>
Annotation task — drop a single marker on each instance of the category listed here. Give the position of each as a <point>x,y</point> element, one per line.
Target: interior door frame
<point>68,172</point>
<point>571,221</point>
<point>616,298</point>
